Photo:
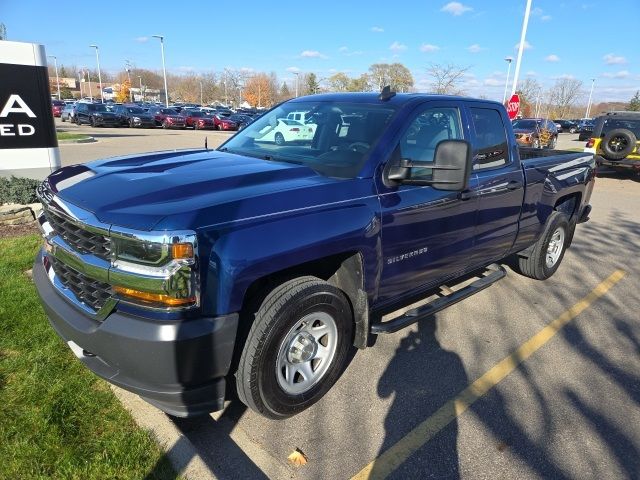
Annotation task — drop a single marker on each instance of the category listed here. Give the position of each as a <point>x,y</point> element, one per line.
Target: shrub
<point>18,190</point>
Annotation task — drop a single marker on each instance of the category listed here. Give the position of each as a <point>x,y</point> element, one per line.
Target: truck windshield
<point>335,139</point>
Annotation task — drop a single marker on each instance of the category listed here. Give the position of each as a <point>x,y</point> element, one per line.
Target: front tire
<point>279,138</point>
<point>548,252</point>
<point>296,349</point>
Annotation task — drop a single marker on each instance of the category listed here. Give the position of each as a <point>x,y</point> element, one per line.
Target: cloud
<point>611,59</point>
<point>427,47</point>
<point>312,54</point>
<point>546,18</point>
<point>141,39</point>
<point>527,46</point>
<point>293,69</point>
<point>493,82</point>
<point>531,73</point>
<point>564,76</point>
<point>620,74</point>
<point>185,68</point>
<point>475,48</point>
<point>377,29</point>
<point>397,47</point>
<point>536,12</point>
<point>345,51</point>
<point>552,58</point>
<point>456,8</point>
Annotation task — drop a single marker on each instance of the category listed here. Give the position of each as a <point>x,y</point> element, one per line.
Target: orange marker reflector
<point>181,250</point>
<point>154,297</point>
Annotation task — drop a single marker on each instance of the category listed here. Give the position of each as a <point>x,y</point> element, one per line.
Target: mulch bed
<point>8,231</point>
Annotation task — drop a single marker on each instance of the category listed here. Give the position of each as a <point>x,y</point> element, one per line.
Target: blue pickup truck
<point>261,264</point>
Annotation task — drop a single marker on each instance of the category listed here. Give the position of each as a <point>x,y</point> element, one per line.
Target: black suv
<point>134,116</point>
<point>96,115</point>
<point>564,126</point>
<point>616,140</point>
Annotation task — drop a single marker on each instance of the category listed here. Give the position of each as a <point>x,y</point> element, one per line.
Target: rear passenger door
<point>500,183</point>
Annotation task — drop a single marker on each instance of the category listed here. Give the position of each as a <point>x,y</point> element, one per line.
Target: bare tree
<point>564,93</point>
<point>446,78</point>
<point>530,91</point>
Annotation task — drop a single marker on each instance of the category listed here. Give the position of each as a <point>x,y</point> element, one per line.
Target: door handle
<point>514,185</point>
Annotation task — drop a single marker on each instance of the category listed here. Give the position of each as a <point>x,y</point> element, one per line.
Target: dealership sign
<point>28,144</point>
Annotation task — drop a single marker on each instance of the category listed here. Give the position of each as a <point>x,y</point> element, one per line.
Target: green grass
<point>71,136</point>
<point>57,419</point>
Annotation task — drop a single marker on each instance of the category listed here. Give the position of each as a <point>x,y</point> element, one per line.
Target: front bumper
<point>178,366</point>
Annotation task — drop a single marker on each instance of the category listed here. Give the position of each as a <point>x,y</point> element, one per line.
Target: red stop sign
<point>513,106</point>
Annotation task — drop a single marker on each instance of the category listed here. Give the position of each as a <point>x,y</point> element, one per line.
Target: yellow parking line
<point>386,463</point>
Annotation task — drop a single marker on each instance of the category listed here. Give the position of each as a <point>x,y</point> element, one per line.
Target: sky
<point>564,39</point>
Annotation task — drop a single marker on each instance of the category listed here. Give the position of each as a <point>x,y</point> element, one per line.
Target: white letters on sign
<point>21,108</point>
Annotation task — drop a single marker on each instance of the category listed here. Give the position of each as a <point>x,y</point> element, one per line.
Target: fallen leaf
<point>297,458</point>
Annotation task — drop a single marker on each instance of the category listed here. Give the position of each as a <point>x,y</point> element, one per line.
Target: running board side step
<point>494,273</point>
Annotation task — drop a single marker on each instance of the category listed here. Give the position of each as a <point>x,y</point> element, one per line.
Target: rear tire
<point>279,139</point>
<point>296,349</point>
<point>548,251</point>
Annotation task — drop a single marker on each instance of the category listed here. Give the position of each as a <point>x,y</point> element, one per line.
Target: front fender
<point>242,255</point>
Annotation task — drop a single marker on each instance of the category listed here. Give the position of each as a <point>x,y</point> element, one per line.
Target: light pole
<point>201,97</point>
<point>141,94</point>
<point>99,75</point>
<point>523,36</point>
<point>55,62</point>
<point>506,84</point>
<point>586,115</point>
<point>164,70</point>
<point>89,78</point>
<point>127,67</point>
<point>80,83</point>
<point>297,74</point>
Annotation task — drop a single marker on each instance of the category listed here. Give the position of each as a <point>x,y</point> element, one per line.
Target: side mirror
<point>451,167</point>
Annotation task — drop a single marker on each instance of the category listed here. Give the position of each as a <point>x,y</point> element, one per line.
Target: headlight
<point>159,272</point>
<point>136,119</point>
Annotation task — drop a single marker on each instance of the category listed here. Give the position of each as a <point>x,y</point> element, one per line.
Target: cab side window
<point>491,149</point>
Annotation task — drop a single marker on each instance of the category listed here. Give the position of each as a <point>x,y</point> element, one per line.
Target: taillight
<point>590,143</point>
<point>295,129</point>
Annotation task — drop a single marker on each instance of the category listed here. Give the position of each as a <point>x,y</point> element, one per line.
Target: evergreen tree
<point>634,104</point>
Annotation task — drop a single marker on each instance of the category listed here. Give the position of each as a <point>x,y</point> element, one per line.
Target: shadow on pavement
<point>421,377</point>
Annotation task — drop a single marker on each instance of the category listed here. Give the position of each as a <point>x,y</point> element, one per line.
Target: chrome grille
<point>77,237</point>
<point>87,290</point>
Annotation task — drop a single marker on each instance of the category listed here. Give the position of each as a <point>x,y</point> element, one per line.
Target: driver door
<point>427,234</point>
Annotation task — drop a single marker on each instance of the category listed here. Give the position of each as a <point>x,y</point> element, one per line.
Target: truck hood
<point>139,191</point>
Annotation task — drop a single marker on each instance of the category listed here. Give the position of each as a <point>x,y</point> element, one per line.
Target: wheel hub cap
<point>303,347</point>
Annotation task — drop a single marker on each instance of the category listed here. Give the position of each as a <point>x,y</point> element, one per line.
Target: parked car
<point>56,107</point>
<point>68,113</point>
<point>285,131</point>
<point>134,116</point>
<point>616,140</point>
<point>96,115</point>
<point>223,123</point>
<point>197,119</point>
<point>167,117</point>
<point>566,126</point>
<point>240,120</point>
<point>263,265</point>
<point>585,129</point>
<point>535,132</point>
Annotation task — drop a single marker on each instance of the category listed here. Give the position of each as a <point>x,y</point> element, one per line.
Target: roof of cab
<point>373,97</point>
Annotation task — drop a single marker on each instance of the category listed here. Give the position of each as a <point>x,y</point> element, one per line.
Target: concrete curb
<point>82,140</point>
<point>183,456</point>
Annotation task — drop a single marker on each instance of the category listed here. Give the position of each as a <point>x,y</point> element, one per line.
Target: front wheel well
<point>344,270</point>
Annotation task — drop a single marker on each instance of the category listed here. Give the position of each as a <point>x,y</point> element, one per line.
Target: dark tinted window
<point>491,147</point>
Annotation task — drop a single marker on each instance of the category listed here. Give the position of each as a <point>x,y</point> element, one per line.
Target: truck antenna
<point>386,94</point>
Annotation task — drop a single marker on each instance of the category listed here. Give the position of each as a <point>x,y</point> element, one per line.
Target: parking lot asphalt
<point>568,408</point>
